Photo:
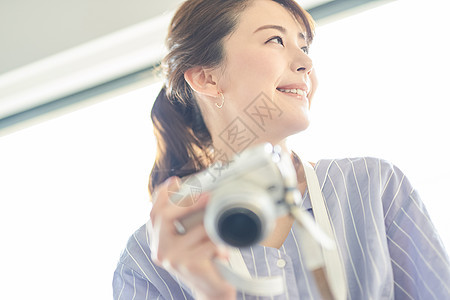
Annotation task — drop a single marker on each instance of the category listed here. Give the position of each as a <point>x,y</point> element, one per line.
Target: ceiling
<point>32,30</point>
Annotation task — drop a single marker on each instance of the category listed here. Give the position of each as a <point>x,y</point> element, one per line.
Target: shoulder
<point>136,272</point>
<point>360,168</point>
<point>137,251</point>
<point>130,275</point>
<point>368,177</point>
<point>136,260</point>
<point>137,256</point>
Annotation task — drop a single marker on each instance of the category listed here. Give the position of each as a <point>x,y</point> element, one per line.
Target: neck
<point>224,151</point>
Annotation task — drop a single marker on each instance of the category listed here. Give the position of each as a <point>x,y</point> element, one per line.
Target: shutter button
<point>281,263</point>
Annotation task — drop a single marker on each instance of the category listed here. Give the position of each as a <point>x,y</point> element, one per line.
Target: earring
<point>223,100</point>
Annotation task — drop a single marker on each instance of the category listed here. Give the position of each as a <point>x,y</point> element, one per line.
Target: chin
<point>298,123</point>
<point>299,128</point>
<point>291,128</point>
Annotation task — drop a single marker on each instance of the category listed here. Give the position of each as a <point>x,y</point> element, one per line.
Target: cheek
<point>255,69</point>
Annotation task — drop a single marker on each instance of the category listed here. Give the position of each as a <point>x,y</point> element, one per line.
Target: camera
<point>247,195</point>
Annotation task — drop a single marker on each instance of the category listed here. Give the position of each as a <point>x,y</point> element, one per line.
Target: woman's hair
<point>195,38</point>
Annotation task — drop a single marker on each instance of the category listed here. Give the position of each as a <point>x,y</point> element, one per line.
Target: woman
<point>238,74</point>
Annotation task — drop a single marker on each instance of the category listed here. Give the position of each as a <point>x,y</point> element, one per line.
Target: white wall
<point>72,190</point>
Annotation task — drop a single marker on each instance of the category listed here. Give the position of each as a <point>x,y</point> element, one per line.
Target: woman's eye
<point>277,39</point>
<point>305,49</point>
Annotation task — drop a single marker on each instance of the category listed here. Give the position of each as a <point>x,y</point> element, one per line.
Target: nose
<point>301,62</point>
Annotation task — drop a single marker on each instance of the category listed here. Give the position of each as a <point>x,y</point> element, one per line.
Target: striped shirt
<point>385,237</point>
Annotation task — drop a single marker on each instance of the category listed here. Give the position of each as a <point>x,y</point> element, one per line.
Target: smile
<point>293,91</point>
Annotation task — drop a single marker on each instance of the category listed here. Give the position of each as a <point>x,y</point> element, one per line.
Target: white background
<point>74,188</point>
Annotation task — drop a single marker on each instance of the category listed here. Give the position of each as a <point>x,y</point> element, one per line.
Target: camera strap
<point>334,269</point>
<point>236,273</point>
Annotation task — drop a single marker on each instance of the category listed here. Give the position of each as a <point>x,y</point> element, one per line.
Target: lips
<point>294,89</point>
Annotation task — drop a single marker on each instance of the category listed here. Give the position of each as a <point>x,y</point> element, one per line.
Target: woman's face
<point>265,75</point>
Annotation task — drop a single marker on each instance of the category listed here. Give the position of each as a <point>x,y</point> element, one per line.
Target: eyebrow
<point>279,28</point>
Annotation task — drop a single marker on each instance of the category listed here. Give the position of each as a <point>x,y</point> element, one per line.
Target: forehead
<point>263,12</point>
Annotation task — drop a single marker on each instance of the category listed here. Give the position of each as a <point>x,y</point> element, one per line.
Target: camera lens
<point>239,227</point>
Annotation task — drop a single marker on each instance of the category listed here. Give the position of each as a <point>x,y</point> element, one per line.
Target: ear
<point>202,80</point>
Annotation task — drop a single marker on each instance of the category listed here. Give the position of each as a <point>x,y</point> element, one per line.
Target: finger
<point>175,249</point>
<point>179,198</point>
<point>186,260</point>
<point>169,228</point>
<point>166,238</point>
<point>203,270</point>
<point>194,262</point>
<point>160,198</point>
<point>171,241</point>
<point>162,189</point>
<point>193,237</point>
<point>172,212</point>
<point>163,200</point>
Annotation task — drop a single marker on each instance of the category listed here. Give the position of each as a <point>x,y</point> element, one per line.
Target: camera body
<point>246,196</point>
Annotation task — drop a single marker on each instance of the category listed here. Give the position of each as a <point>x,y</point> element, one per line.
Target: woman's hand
<point>189,256</point>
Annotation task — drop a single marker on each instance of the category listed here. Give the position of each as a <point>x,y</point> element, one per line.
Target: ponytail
<point>182,138</point>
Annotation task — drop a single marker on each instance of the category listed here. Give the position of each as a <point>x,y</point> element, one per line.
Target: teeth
<point>293,91</point>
